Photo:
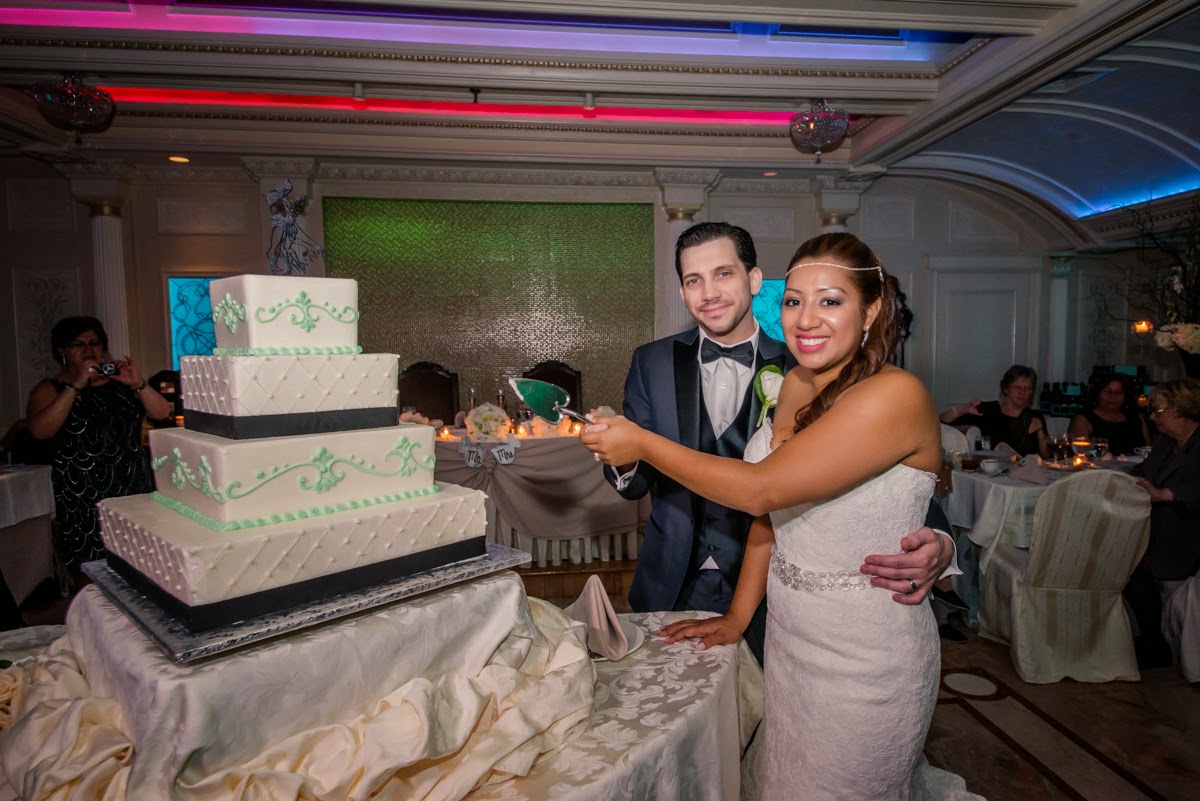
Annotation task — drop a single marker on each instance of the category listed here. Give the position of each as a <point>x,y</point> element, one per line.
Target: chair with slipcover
<point>1058,604</point>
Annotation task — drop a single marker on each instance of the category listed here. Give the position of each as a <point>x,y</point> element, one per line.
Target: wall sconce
<point>1141,327</point>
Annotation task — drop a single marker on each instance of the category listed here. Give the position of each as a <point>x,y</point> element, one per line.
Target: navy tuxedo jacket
<point>662,394</point>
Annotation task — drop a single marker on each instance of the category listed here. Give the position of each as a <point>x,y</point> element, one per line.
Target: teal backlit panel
<point>191,318</point>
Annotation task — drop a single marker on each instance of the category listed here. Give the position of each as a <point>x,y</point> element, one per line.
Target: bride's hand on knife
<point>711,631</point>
<point>614,440</point>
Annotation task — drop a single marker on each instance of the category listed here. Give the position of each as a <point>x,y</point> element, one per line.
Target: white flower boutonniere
<point>766,387</point>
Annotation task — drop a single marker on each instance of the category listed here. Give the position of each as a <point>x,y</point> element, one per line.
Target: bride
<point>847,468</point>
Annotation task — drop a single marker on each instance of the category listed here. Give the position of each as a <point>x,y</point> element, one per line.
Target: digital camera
<point>108,368</point>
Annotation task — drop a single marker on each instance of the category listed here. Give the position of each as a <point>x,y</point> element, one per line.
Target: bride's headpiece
<point>878,267</point>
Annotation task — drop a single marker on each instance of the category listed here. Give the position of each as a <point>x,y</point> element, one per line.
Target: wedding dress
<point>851,675</point>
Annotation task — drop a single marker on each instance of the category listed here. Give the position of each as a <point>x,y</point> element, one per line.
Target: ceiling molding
<point>485,175</point>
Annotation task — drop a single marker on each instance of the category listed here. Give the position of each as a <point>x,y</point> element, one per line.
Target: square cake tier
<point>278,314</point>
<point>231,484</point>
<point>270,396</point>
<point>217,577</point>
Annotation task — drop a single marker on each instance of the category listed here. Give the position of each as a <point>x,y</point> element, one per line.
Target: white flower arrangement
<point>487,421</point>
<point>1185,336</point>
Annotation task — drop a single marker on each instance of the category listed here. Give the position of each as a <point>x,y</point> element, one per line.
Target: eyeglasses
<point>1160,411</point>
<point>95,343</point>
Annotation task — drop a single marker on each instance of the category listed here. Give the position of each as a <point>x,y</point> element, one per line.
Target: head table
<point>26,507</point>
<point>550,500</point>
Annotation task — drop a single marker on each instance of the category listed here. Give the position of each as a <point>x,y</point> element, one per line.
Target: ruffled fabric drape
<point>425,700</point>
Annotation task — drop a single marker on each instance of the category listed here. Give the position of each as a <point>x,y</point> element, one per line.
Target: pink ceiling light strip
<point>195,97</point>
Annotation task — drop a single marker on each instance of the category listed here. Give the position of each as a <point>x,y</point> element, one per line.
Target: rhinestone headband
<point>878,267</point>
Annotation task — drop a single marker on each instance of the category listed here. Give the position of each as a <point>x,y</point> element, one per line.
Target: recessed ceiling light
<point>769,173</point>
<point>178,159</point>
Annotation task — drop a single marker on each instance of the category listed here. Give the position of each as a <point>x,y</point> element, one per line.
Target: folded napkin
<point>1028,470</point>
<point>1003,449</point>
<point>594,610</point>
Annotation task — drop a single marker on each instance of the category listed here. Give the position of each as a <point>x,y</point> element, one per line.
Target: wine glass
<point>1061,447</point>
<point>1099,448</point>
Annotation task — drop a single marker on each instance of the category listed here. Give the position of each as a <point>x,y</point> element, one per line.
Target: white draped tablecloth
<point>427,699</point>
<point>995,510</point>
<point>551,501</point>
<point>26,509</point>
<point>669,724</point>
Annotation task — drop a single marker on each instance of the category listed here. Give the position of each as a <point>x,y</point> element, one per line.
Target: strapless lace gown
<point>851,675</point>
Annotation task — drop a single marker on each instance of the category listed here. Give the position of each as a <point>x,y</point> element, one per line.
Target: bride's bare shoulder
<point>892,381</point>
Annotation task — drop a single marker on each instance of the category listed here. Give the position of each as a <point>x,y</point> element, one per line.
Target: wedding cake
<point>291,481</point>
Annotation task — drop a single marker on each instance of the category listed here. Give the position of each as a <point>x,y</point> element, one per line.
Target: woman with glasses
<point>1171,475</point>
<point>1108,413</point>
<point>91,412</point>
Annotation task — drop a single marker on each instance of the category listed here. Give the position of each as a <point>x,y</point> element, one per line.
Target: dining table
<point>546,496</point>
<point>26,512</point>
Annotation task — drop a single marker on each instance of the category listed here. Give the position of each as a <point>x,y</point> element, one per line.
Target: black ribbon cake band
<point>222,613</point>
<point>289,425</point>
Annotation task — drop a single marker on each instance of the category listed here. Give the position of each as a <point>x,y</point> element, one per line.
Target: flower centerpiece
<point>487,421</point>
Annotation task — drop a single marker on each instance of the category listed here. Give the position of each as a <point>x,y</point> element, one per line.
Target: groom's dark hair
<point>705,232</point>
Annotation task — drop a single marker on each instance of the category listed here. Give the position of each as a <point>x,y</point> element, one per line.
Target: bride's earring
<point>866,332</point>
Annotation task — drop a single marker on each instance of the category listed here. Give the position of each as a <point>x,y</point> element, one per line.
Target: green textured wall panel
<point>489,289</point>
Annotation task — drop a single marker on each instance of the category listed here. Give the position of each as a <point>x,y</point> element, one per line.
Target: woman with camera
<point>92,413</point>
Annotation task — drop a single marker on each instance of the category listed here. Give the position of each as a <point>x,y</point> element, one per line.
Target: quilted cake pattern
<point>200,566</point>
<point>248,386</point>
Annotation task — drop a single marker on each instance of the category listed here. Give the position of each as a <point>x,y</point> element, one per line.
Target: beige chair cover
<point>1059,604</point>
<point>1181,625</point>
<point>953,440</point>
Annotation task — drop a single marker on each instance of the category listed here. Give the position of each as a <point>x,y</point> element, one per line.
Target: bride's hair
<point>872,281</point>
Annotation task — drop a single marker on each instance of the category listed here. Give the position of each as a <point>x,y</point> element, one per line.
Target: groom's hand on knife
<point>911,574</point>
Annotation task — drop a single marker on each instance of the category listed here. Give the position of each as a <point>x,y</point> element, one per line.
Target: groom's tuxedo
<point>663,394</point>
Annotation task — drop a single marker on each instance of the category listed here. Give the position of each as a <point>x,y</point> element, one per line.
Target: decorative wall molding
<point>266,168</point>
<point>108,168</point>
<point>40,204</point>
<point>173,173</point>
<point>987,264</point>
<point>968,224</point>
<point>765,224</point>
<point>41,297</point>
<point>766,186</point>
<point>675,177</point>
<point>483,175</point>
<point>199,215</point>
<point>889,218</point>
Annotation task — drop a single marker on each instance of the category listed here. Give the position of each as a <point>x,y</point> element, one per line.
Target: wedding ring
<point>912,584</point>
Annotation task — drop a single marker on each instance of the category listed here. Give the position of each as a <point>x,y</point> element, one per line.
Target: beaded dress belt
<point>799,579</point>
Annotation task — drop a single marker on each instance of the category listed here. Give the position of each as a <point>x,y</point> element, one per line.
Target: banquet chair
<point>1058,605</point>
<point>430,389</point>
<point>953,440</point>
<point>563,375</point>
<point>1181,626</point>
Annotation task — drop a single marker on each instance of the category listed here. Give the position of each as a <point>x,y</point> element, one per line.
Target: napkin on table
<point>1028,470</point>
<point>1004,448</point>
<point>594,610</point>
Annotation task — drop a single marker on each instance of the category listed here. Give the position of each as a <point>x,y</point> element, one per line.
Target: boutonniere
<point>766,387</point>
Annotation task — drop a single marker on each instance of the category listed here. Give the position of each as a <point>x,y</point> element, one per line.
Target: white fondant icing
<point>229,479</point>
<point>278,311</point>
<point>248,386</point>
<point>198,566</point>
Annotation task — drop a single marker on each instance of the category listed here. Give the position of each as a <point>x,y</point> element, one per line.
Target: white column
<point>838,201</point>
<point>1059,318</point>
<point>684,193</point>
<point>108,263</point>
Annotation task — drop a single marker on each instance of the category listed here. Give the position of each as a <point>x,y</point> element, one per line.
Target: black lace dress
<point>98,454</point>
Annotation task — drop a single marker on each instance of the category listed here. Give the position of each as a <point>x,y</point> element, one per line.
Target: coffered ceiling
<point>1067,107</point>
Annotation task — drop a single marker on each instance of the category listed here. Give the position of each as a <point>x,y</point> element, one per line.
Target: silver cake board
<point>182,645</point>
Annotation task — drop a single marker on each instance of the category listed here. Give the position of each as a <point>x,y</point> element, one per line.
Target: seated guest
<point>1171,474</point>
<point>1108,412</point>
<point>1010,420</point>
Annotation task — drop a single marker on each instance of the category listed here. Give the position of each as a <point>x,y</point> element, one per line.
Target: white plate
<point>635,635</point>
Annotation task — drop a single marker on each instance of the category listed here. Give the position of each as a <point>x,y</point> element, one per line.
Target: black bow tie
<point>743,354</point>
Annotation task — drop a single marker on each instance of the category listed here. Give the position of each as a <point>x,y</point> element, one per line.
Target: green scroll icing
<point>286,517</point>
<point>229,312</point>
<point>329,471</point>
<point>287,351</point>
<point>305,312</point>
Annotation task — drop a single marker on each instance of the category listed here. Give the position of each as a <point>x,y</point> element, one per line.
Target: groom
<point>697,388</point>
